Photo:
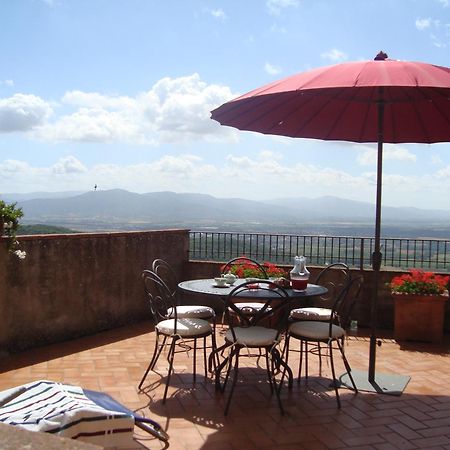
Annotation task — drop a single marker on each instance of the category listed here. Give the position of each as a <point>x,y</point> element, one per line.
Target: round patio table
<point>207,287</point>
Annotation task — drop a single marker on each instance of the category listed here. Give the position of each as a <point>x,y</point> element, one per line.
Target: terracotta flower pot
<point>419,317</point>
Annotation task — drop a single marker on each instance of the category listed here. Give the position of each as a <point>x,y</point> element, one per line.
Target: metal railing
<point>401,253</point>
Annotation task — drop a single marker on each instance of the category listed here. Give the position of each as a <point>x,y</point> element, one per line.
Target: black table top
<point>208,287</point>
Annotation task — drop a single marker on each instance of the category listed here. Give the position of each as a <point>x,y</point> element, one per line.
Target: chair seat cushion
<point>315,330</point>
<point>250,307</point>
<point>186,327</point>
<point>194,311</point>
<point>253,336</point>
<point>311,313</point>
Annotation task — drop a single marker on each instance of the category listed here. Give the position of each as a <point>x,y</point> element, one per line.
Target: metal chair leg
<point>204,358</point>
<point>347,367</point>
<point>194,363</point>
<point>170,358</point>
<point>235,376</point>
<point>335,383</point>
<point>154,359</point>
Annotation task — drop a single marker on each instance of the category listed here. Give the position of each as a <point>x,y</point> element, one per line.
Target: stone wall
<point>79,284</point>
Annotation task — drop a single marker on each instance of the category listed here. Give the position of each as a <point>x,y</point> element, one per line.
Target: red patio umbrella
<point>366,101</point>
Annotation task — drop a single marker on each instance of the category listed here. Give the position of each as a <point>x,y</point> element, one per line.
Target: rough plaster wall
<point>74,285</point>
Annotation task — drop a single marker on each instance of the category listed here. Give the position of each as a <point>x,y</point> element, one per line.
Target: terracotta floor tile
<point>115,361</point>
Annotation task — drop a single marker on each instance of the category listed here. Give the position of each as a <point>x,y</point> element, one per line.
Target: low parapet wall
<point>79,284</point>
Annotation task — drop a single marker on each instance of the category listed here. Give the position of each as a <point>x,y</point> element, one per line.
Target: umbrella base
<point>383,384</point>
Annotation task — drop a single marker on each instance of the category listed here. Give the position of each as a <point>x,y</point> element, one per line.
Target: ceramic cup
<point>220,281</point>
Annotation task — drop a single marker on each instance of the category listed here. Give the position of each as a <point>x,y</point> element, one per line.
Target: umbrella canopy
<point>341,102</point>
<point>367,101</point>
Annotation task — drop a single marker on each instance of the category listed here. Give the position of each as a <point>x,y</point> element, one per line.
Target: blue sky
<point>118,93</point>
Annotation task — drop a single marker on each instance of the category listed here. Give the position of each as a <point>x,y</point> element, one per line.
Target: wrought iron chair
<point>165,271</point>
<point>262,331</point>
<point>329,333</point>
<point>248,308</point>
<point>170,326</point>
<point>336,278</point>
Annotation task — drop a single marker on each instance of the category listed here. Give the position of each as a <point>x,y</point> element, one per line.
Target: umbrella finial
<point>381,56</point>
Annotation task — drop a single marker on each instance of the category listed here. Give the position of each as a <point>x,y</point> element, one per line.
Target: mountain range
<point>120,209</point>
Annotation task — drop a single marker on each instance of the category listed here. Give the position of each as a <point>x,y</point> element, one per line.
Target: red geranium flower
<point>420,282</point>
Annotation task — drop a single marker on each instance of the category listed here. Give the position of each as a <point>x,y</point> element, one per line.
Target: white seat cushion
<point>250,307</point>
<point>315,330</point>
<point>194,311</point>
<point>252,336</point>
<point>311,313</point>
<point>185,327</point>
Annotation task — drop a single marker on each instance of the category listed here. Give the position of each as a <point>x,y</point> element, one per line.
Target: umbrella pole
<point>381,383</point>
<point>376,255</point>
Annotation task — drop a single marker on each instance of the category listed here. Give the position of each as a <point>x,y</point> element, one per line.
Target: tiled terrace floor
<point>193,414</point>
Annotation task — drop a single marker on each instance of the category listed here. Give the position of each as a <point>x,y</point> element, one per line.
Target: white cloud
<point>93,125</point>
<point>437,42</point>
<point>173,110</point>
<point>367,155</point>
<point>95,100</point>
<point>444,172</point>
<point>218,13</point>
<point>271,69</point>
<point>334,55</point>
<point>276,6</point>
<point>270,155</point>
<point>444,3</point>
<point>7,83</point>
<point>67,165</point>
<point>23,112</point>
<point>423,24</point>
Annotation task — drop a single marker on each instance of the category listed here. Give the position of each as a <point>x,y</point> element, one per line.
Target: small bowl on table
<point>220,282</point>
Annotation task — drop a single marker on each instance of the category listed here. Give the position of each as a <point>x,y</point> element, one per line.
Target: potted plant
<point>9,223</point>
<point>419,305</point>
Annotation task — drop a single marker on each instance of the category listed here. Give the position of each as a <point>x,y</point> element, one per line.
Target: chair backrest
<point>166,272</point>
<point>336,278</point>
<point>244,262</point>
<point>343,307</point>
<point>161,300</point>
<point>275,306</point>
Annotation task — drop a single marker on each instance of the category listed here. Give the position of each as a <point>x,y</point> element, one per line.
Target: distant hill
<point>34,195</point>
<point>43,229</point>
<point>339,208</point>
<point>120,209</point>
